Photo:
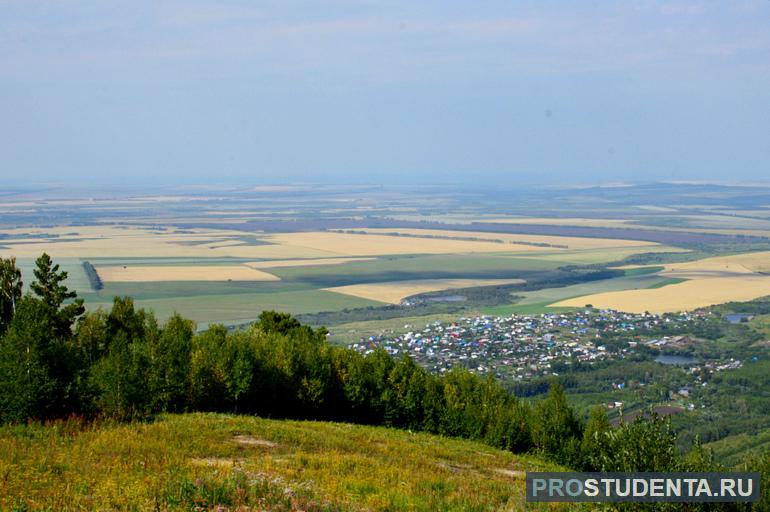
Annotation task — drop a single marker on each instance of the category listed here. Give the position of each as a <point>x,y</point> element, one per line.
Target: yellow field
<point>115,242</point>
<point>395,291</point>
<point>303,263</point>
<point>135,242</point>
<point>739,263</point>
<point>111,241</point>
<point>511,239</point>
<point>143,274</point>
<point>127,242</point>
<point>709,281</point>
<point>373,245</point>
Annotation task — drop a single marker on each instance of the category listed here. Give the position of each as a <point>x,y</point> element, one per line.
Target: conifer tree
<point>50,288</point>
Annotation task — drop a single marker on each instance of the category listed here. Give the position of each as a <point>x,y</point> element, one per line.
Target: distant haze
<point>395,92</point>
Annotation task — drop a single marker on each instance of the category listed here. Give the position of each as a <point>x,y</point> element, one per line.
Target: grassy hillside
<point>181,462</point>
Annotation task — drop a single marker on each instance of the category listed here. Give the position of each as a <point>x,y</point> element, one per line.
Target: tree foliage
<point>10,291</point>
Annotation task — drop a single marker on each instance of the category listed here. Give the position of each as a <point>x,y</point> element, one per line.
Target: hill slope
<point>181,462</point>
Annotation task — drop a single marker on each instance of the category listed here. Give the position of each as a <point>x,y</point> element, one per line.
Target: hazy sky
<point>389,91</point>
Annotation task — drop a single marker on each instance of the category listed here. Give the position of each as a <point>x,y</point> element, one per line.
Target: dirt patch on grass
<point>245,440</point>
<point>212,462</point>
<point>453,467</point>
<point>519,475</point>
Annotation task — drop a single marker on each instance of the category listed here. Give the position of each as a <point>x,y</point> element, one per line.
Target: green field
<point>199,461</point>
<point>242,308</point>
<point>76,279</point>
<point>300,289</point>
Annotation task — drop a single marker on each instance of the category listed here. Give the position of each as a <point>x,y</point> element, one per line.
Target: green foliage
<point>38,369</point>
<point>594,435</point>
<point>121,376</point>
<point>556,429</point>
<point>645,444</point>
<point>170,364</point>
<point>49,287</point>
<point>10,291</point>
<point>93,276</point>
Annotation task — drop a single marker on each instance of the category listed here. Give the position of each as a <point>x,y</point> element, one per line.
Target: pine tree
<point>49,287</point>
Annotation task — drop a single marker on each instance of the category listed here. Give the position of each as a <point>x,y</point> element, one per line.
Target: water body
<point>676,360</point>
<point>736,318</point>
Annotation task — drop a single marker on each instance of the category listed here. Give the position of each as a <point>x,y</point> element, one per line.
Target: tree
<point>595,439</point>
<point>27,388</point>
<point>10,291</point>
<point>122,377</point>
<point>171,364</point>
<point>49,287</point>
<point>556,430</point>
<point>282,323</point>
<point>207,374</point>
<point>645,444</point>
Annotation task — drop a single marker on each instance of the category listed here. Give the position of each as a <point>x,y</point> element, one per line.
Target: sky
<point>392,92</point>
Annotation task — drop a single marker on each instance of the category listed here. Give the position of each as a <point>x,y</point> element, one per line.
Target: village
<point>523,347</point>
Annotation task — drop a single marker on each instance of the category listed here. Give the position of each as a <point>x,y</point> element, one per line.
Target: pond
<point>677,360</point>
<point>735,318</point>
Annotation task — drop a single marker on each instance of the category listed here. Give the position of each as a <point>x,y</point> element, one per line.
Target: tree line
<point>56,360</point>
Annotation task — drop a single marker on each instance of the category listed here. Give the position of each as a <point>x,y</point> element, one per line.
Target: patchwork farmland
<point>344,256</point>
<point>227,275</point>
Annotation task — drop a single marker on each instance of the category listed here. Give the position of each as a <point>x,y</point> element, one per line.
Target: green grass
<point>732,450</point>
<point>181,462</point>
<point>641,271</point>
<point>392,268</point>
<point>173,289</point>
<point>667,282</point>
<point>591,256</point>
<point>244,307</point>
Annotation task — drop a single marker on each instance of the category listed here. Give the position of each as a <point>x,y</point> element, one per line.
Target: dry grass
<point>348,244</point>
<point>199,462</point>
<point>709,281</point>
<point>511,239</point>
<point>395,291</point>
<point>134,242</point>
<point>116,242</point>
<point>109,241</point>
<point>146,274</point>
<point>739,263</point>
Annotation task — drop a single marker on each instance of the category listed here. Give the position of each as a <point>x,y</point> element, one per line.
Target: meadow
<point>201,461</point>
